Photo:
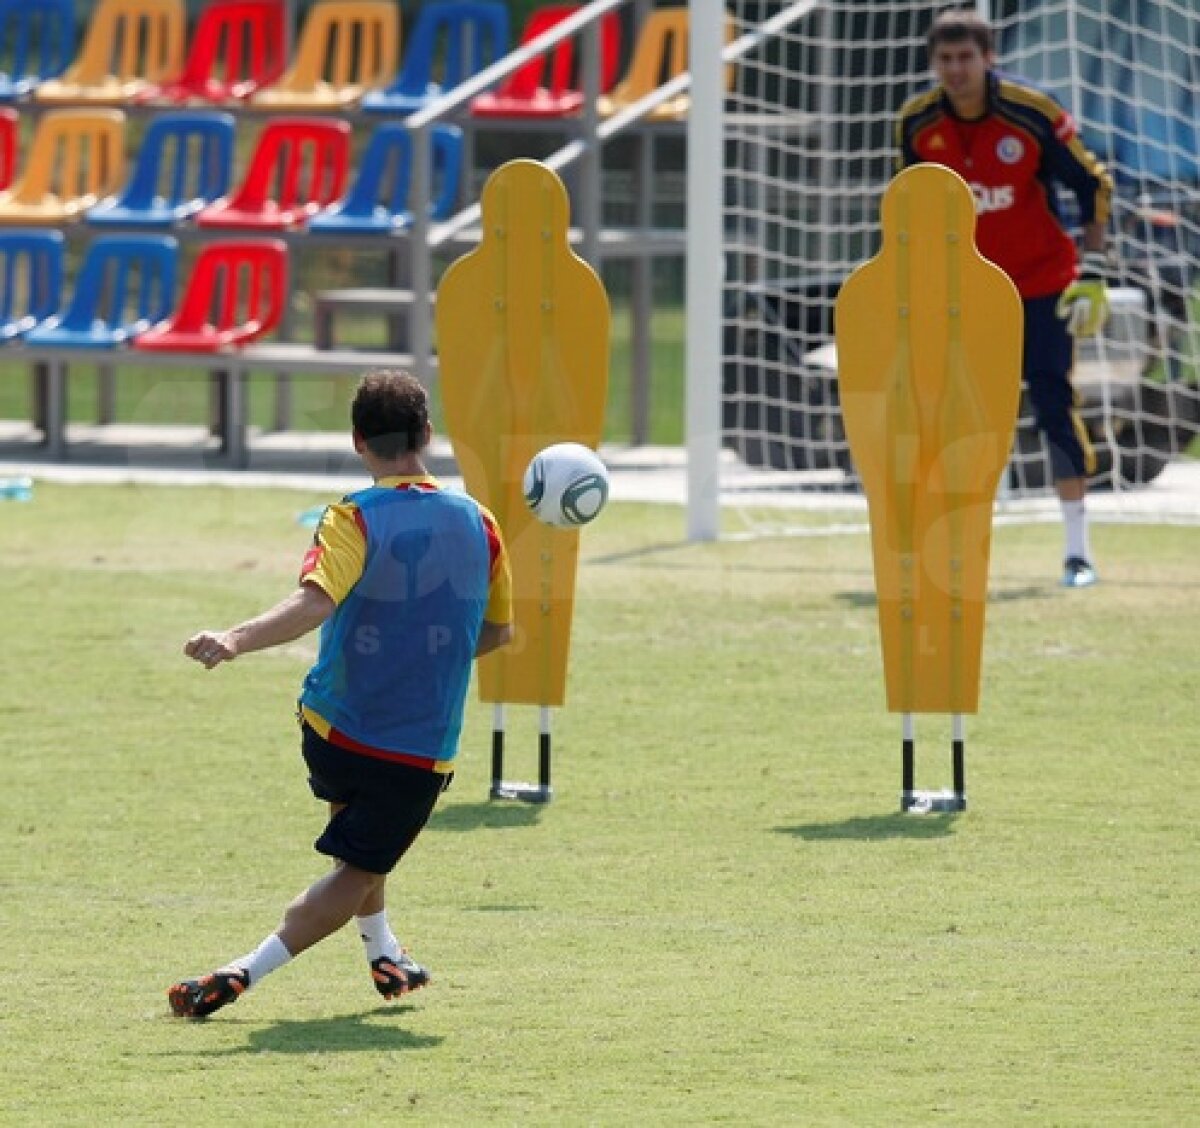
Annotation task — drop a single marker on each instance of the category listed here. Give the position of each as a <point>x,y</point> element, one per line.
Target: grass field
<point>720,918</point>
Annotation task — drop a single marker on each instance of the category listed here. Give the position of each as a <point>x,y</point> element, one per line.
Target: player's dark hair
<point>390,412</point>
<point>961,25</point>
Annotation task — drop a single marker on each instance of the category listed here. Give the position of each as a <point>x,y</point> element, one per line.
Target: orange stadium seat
<point>76,158</point>
<point>129,44</point>
<point>347,47</point>
<point>660,54</point>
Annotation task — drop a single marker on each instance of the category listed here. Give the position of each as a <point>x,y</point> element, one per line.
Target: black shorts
<point>386,804</point>
<point>1049,358</point>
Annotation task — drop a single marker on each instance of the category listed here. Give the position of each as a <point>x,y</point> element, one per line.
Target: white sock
<point>1075,527</point>
<point>269,956</point>
<point>377,936</point>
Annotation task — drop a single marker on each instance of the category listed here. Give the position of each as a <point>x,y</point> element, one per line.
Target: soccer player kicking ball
<point>1013,144</point>
<point>409,584</point>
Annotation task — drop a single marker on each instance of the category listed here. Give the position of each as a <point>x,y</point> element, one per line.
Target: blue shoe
<point>1078,573</point>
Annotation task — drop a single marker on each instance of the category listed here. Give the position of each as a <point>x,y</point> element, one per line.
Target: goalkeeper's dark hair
<point>390,412</point>
<point>961,25</point>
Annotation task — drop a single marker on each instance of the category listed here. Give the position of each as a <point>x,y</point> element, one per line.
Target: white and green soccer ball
<point>566,485</point>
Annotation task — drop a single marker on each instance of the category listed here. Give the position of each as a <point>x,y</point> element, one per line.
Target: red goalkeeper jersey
<point>1012,157</point>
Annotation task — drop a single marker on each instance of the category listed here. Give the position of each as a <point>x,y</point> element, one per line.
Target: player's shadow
<point>875,828</point>
<point>491,815</point>
<point>344,1034</point>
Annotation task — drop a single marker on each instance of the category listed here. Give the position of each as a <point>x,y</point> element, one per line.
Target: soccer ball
<point>566,485</point>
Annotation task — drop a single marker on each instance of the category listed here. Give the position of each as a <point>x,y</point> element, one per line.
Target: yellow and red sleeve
<point>338,554</point>
<point>499,606</point>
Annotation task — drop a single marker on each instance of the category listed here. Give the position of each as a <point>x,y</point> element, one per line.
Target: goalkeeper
<point>1014,144</point>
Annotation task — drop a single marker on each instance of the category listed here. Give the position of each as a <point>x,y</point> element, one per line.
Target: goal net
<point>808,150</point>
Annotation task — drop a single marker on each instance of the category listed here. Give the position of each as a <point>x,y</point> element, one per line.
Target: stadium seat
<point>660,53</point>
<point>529,93</point>
<point>128,45</point>
<point>378,201</point>
<point>125,285</point>
<point>346,48</point>
<point>184,164</point>
<point>41,37</point>
<point>236,294</point>
<point>238,47</point>
<point>299,166</point>
<point>10,130</point>
<point>31,278</point>
<point>466,35</point>
<point>75,159</point>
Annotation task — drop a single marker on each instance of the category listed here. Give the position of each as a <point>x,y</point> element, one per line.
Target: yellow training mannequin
<point>929,338</point>
<point>522,329</point>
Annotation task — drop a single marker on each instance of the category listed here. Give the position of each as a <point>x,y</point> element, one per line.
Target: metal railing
<point>426,239</point>
<point>583,149</point>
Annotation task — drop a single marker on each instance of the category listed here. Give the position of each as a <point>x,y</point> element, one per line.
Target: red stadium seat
<point>236,294</point>
<point>238,47</point>
<point>526,93</point>
<point>10,129</point>
<point>299,166</point>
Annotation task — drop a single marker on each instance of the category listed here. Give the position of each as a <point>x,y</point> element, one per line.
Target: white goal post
<point>793,160</point>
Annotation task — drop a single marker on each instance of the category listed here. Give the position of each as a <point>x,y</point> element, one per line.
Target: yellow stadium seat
<point>346,48</point>
<point>129,45</point>
<point>659,55</point>
<point>76,158</point>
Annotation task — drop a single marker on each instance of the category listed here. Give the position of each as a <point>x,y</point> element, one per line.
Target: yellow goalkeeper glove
<point>1084,303</point>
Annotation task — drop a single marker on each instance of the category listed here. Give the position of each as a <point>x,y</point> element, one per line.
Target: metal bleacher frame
<point>412,253</point>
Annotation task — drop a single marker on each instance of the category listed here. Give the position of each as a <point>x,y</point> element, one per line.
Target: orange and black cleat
<point>198,998</point>
<point>394,978</point>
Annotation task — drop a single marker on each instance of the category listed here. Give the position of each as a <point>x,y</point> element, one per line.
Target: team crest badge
<point>1010,150</point>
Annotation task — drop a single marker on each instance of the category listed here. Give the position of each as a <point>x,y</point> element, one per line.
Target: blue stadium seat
<point>378,200</point>
<point>125,285</point>
<point>31,277</point>
<point>467,35</point>
<point>37,41</point>
<point>184,164</point>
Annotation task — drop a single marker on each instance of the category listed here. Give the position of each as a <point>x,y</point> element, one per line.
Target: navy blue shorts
<point>1049,358</point>
<point>386,804</point>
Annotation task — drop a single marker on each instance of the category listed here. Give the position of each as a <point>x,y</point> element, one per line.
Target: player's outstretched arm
<point>302,611</point>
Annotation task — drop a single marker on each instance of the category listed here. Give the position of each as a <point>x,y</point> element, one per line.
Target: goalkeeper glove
<point>1084,303</point>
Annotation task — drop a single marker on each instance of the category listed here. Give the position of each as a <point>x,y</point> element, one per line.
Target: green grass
<point>719,919</point>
